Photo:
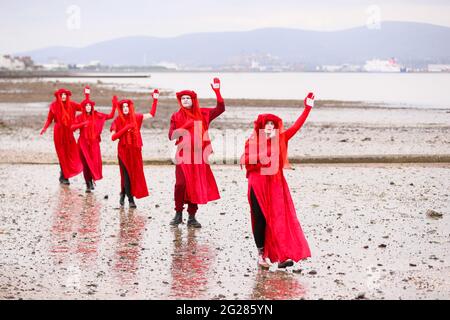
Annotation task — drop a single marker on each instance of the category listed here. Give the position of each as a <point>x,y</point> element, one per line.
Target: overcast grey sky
<point>26,25</point>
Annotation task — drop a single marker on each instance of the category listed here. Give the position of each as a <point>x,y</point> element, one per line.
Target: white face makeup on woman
<point>125,109</point>
<point>269,129</point>
<point>63,97</point>
<point>186,101</point>
<point>88,108</point>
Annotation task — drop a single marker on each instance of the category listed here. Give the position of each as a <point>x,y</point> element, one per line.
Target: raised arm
<point>113,109</point>
<point>220,107</point>
<point>309,103</point>
<point>152,112</point>
<point>49,121</point>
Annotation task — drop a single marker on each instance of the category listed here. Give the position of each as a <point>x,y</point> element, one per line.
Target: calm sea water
<point>401,89</point>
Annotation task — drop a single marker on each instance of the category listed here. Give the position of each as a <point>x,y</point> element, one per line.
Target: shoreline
<point>39,90</point>
<point>147,73</point>
<point>443,159</point>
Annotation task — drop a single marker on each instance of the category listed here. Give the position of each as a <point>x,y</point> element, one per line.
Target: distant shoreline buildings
<point>10,63</point>
<point>243,63</point>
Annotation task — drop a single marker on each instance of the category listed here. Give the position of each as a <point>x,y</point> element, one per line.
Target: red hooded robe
<point>63,113</point>
<point>201,186</point>
<point>90,137</point>
<point>129,149</point>
<point>284,238</point>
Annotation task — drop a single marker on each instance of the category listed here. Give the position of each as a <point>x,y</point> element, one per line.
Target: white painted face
<point>63,97</point>
<point>88,108</point>
<point>125,109</point>
<point>269,128</point>
<point>186,101</point>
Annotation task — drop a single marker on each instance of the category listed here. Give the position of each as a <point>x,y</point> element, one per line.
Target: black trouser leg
<point>259,227</point>
<point>126,181</point>
<point>86,170</point>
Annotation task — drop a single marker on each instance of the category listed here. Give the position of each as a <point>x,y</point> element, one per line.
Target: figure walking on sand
<point>127,128</point>
<point>90,123</point>
<point>195,183</point>
<point>276,229</point>
<point>62,111</point>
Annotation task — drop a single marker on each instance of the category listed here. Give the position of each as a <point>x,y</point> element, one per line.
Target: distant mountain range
<point>410,43</point>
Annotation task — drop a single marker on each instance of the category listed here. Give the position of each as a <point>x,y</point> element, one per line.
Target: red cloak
<point>201,186</point>
<point>63,113</point>
<point>129,149</point>
<point>90,137</point>
<point>284,238</point>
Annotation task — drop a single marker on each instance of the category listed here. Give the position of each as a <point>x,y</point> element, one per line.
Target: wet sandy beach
<point>367,227</point>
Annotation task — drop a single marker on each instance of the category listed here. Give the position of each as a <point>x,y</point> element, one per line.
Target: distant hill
<point>411,43</point>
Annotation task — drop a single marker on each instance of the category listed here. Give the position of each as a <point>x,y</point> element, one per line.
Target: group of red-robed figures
<point>277,231</point>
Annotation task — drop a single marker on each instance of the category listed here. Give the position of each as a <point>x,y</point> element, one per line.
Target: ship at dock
<point>388,66</point>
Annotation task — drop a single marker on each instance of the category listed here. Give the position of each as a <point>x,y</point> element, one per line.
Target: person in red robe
<point>276,229</point>
<point>90,123</point>
<point>62,111</point>
<point>127,128</point>
<point>195,183</point>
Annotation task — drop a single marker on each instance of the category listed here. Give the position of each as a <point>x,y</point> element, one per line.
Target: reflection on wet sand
<point>75,226</point>
<point>88,231</point>
<point>279,285</point>
<point>74,236</point>
<point>63,220</point>
<point>128,250</point>
<point>191,262</point>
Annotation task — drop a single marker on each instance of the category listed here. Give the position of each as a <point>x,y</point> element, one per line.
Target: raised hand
<point>216,85</point>
<point>155,94</point>
<point>309,100</point>
<point>87,91</point>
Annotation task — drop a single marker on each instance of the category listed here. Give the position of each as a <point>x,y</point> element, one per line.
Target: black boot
<point>192,222</point>
<point>122,199</point>
<point>131,203</point>
<point>63,180</point>
<point>89,186</point>
<point>261,261</point>
<point>285,264</point>
<point>177,219</point>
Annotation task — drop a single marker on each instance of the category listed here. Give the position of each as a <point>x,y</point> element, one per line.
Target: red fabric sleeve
<point>111,114</point>
<point>78,125</point>
<point>117,135</point>
<point>217,111</point>
<point>174,132</point>
<point>50,118</point>
<point>154,105</point>
<point>289,133</point>
<point>172,128</point>
<point>76,105</point>
<point>113,126</point>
